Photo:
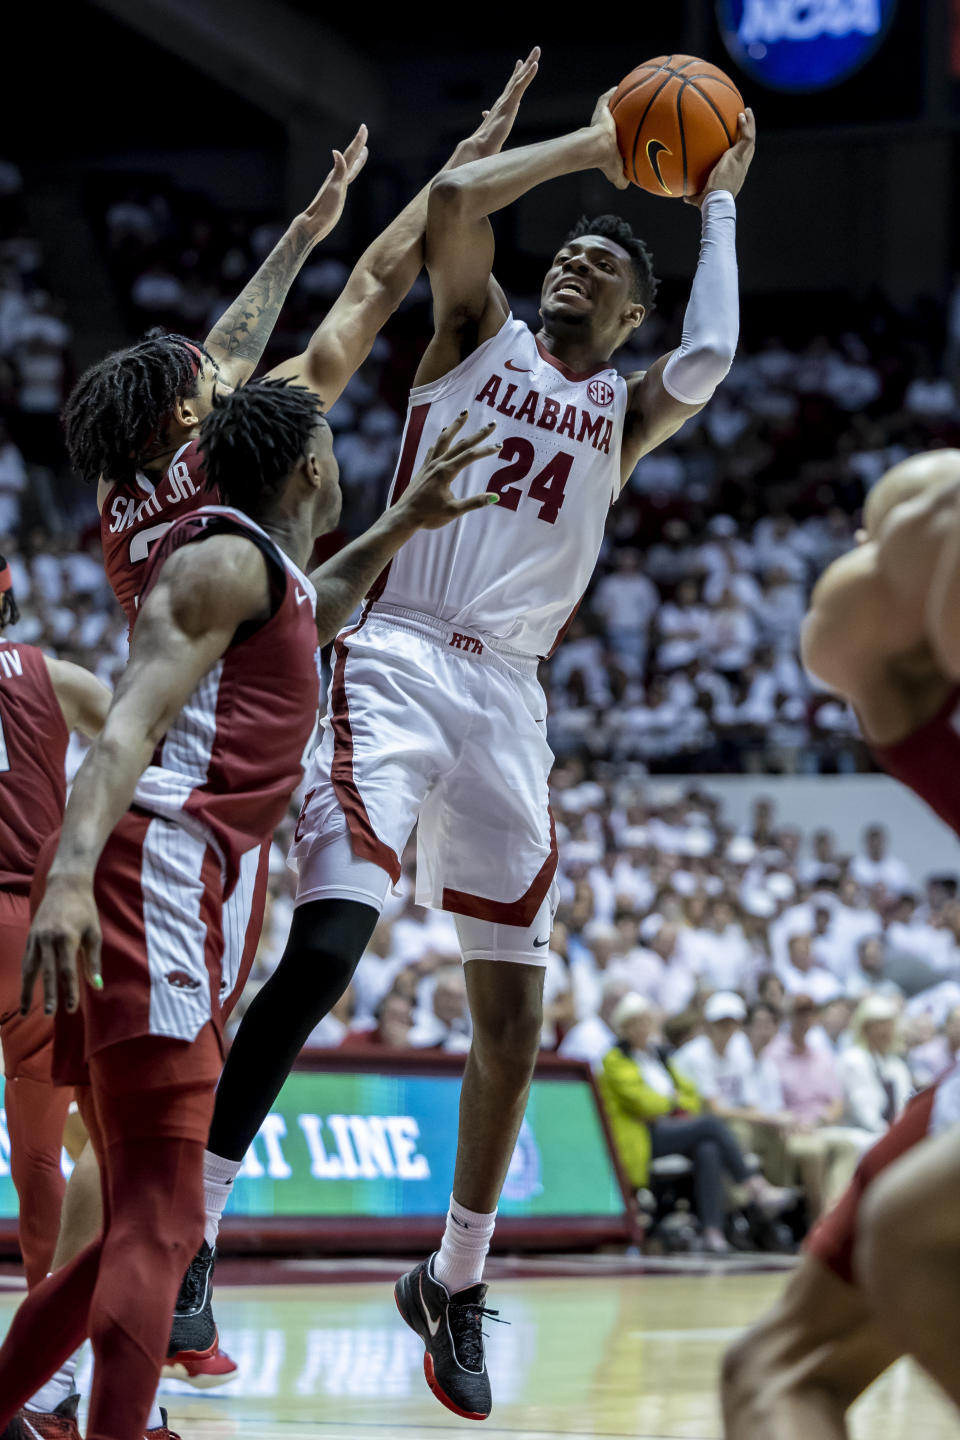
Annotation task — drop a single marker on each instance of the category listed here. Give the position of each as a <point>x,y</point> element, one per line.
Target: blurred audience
<point>684,655</point>
<point>655,1111</point>
<point>749,946</point>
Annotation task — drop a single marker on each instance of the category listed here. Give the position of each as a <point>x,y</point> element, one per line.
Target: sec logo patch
<point>600,392</point>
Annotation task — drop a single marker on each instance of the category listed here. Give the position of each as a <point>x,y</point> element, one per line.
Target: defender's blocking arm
<point>386,270</point>
<point>240,336</point>
<point>186,624</point>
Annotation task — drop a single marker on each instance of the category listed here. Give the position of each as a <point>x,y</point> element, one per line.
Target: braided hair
<point>612,227</point>
<point>253,438</point>
<point>9,609</point>
<point>118,408</point>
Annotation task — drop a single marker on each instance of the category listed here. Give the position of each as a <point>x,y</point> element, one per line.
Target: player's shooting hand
<point>492,133</point>
<point>731,169</point>
<point>65,926</point>
<point>428,501</point>
<point>609,159</point>
<point>326,207</point>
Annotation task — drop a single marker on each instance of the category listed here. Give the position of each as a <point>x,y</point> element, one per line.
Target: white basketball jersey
<point>514,572</point>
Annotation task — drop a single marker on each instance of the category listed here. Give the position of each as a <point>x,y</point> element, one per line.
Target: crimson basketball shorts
<point>158,889</point>
<point>833,1239</point>
<point>428,725</point>
<point>152,1088</point>
<point>27,1039</point>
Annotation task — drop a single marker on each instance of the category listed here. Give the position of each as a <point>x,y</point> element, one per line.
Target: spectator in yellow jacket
<point>654,1110</point>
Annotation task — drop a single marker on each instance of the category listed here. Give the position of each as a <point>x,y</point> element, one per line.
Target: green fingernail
<point>97,982</point>
<point>493,499</point>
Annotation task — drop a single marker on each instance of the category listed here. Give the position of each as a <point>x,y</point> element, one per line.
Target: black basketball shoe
<point>194,1353</point>
<point>451,1328</point>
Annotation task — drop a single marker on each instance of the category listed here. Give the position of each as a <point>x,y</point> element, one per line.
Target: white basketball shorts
<point>428,723</point>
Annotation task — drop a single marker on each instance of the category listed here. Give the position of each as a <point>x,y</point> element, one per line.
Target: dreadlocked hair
<point>120,404</point>
<point>611,227</point>
<point>9,609</point>
<point>253,438</point>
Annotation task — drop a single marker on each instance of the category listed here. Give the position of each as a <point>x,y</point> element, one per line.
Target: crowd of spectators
<point>685,652</point>
<point>684,655</point>
<point>792,995</point>
<point>35,365</point>
<point>801,994</point>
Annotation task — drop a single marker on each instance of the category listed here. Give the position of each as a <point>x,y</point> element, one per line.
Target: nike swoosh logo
<point>655,148</point>
<point>433,1325</point>
<point>301,598</point>
<point>538,943</point>
<point>509,365</point>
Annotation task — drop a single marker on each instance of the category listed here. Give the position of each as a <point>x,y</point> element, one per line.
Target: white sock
<point>57,1388</point>
<point>218,1177</point>
<point>154,1419</point>
<point>466,1240</point>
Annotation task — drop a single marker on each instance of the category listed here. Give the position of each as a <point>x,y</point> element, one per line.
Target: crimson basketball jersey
<point>33,747</point>
<point>935,1110</point>
<point>232,758</point>
<point>516,572</point>
<point>134,517</point>
<point>928,761</point>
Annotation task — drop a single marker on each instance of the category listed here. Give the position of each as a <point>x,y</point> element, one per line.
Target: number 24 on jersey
<point>547,487</point>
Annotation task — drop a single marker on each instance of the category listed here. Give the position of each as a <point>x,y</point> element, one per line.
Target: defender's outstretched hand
<point>326,207</point>
<point>609,159</point>
<point>428,501</point>
<point>492,133</point>
<point>731,169</point>
<point>65,924</point>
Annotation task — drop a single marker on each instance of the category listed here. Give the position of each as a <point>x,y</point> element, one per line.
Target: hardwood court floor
<point>601,1357</point>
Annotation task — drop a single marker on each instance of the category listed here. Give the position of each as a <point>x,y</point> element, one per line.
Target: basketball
<point>675,117</point>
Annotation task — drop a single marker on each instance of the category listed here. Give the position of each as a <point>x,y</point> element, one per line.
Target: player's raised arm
<point>427,504</point>
<point>240,336</point>
<point>386,270</point>
<point>459,243</point>
<point>184,627</point>
<point>681,383</point>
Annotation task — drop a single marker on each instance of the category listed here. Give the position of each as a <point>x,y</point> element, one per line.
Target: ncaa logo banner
<point>803,44</point>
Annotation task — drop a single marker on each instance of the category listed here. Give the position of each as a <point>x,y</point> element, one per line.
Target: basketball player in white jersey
<point>436,715</point>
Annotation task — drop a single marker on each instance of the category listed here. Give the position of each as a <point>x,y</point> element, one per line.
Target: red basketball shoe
<point>203,1369</point>
<point>59,1424</point>
<point>162,1432</point>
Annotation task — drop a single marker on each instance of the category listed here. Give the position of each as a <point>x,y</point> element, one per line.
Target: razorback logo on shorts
<point>600,392</point>
<point>181,980</point>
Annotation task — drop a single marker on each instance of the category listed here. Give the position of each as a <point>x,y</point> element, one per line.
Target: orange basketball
<point>675,117</point>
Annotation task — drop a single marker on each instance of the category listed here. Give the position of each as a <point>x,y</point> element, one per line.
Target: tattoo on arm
<point>241,334</point>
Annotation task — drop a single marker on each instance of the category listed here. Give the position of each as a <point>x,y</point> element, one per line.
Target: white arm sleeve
<point>711,324</point>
